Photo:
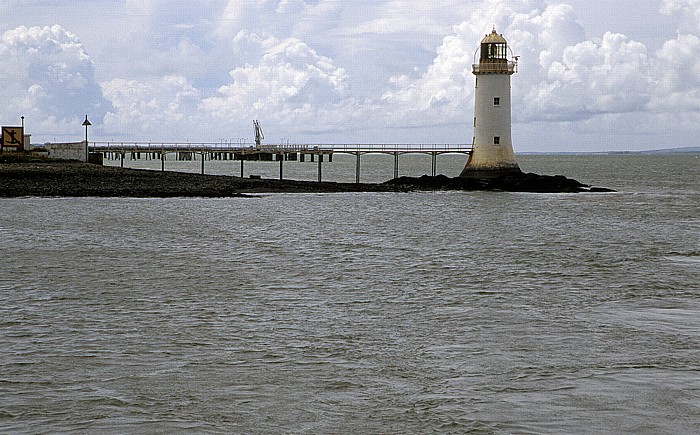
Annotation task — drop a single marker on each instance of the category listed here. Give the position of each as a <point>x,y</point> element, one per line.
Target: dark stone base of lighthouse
<point>513,181</point>
<point>490,173</point>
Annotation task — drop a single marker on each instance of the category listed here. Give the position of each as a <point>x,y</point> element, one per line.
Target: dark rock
<point>75,179</point>
<point>511,182</point>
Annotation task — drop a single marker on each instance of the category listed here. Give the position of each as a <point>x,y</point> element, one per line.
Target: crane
<point>259,136</point>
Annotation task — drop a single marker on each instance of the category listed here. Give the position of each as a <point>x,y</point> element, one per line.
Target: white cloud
<point>147,108</point>
<point>608,75</point>
<point>263,17</point>
<point>678,66</point>
<point>396,70</point>
<point>688,10</point>
<point>439,95</point>
<point>291,85</point>
<point>402,17</point>
<point>444,93</point>
<point>48,76</point>
<point>291,7</point>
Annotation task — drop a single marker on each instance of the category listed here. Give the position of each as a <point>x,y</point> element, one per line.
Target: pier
<point>315,153</point>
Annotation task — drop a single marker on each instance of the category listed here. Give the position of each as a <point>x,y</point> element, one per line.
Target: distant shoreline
<point>54,178</point>
<point>660,151</point>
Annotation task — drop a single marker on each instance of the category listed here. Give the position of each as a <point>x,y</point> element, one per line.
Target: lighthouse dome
<point>494,38</point>
<point>494,49</point>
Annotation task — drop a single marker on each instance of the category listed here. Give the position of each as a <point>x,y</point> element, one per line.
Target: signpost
<point>12,137</point>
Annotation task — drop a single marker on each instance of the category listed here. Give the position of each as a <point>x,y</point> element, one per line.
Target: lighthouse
<point>492,148</point>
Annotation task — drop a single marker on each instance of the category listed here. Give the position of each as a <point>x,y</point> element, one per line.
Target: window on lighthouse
<point>497,140</point>
<point>496,101</point>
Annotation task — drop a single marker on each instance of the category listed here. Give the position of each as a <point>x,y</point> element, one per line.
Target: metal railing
<point>246,148</point>
<point>495,67</point>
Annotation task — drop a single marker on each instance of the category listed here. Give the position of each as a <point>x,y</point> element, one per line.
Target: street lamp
<point>86,123</point>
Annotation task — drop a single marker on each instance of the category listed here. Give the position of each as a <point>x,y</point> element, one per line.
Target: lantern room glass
<point>494,52</point>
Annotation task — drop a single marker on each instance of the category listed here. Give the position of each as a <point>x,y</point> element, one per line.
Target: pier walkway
<point>291,152</point>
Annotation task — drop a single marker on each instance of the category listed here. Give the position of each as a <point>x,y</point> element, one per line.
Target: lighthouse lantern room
<point>492,148</point>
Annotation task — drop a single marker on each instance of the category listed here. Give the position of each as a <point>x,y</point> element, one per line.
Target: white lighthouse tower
<point>492,153</point>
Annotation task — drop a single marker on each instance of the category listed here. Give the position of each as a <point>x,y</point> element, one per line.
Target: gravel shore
<point>76,179</point>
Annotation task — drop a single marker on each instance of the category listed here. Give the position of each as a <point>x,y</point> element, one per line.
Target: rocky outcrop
<point>510,182</point>
<point>76,179</point>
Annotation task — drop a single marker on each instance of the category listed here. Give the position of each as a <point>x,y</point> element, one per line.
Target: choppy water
<point>371,313</point>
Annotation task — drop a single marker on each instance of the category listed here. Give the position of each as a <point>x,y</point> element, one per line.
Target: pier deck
<point>247,152</point>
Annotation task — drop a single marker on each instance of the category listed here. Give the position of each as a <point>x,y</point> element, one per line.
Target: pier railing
<point>246,148</point>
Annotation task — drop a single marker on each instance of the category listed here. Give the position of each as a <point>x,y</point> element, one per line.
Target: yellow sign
<point>13,137</point>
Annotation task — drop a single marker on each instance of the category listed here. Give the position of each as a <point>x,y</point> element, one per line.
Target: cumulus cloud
<point>291,85</point>
<point>564,75</point>
<point>679,82</point>
<point>48,76</point>
<point>538,33</point>
<point>688,10</point>
<point>608,75</point>
<point>678,66</point>
<point>266,17</point>
<point>148,108</point>
<point>404,16</point>
<point>441,93</point>
<point>396,70</point>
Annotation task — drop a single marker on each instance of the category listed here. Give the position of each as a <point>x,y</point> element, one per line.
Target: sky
<point>593,75</point>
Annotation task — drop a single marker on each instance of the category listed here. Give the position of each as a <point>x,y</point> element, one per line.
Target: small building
<point>66,150</point>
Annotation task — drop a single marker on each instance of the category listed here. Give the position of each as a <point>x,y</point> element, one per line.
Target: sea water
<point>361,312</point>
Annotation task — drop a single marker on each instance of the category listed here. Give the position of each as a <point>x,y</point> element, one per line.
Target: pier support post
<point>162,161</point>
<point>319,167</point>
<point>357,169</point>
<point>434,164</point>
<point>396,165</point>
<point>203,155</point>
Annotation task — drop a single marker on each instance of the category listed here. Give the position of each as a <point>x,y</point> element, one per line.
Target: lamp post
<point>86,123</point>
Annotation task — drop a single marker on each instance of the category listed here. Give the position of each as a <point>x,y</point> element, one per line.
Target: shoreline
<point>58,178</point>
